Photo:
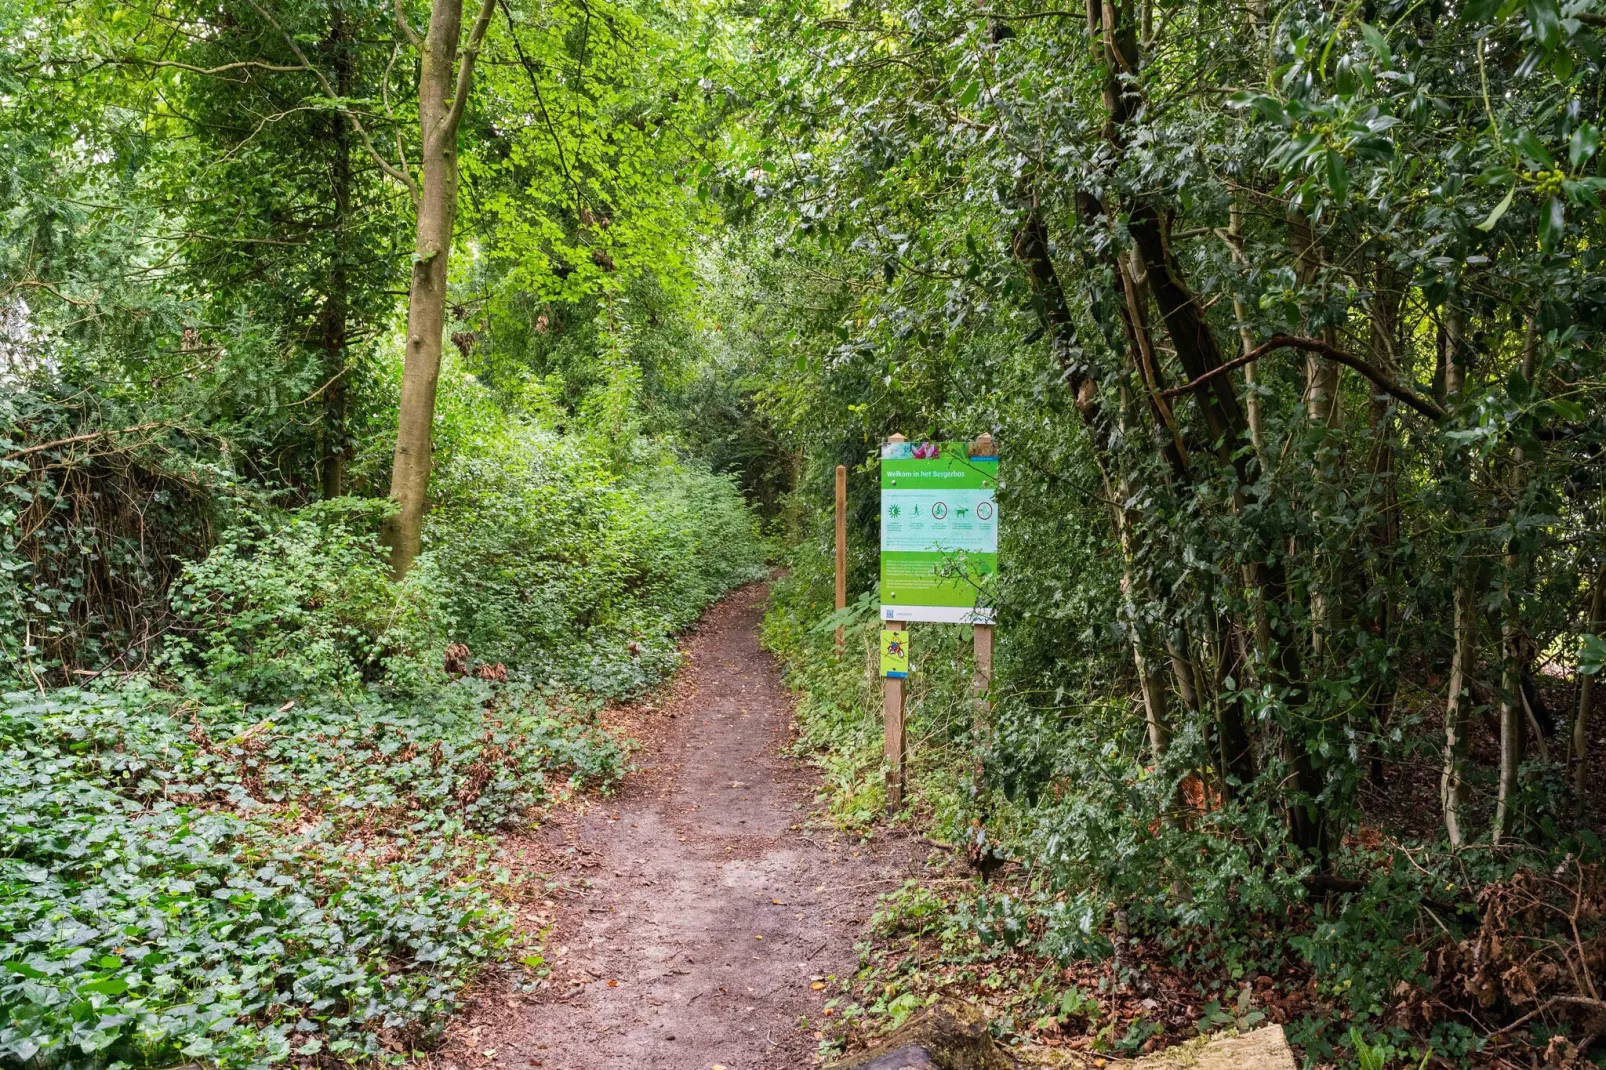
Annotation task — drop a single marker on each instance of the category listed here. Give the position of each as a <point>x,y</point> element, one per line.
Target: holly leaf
<point>1552,224</point>
<point>1592,655</point>
<point>1499,210</point>
<point>1530,145</point>
<point>1377,43</point>
<point>1337,175</point>
<point>1584,144</point>
<point>1544,19</point>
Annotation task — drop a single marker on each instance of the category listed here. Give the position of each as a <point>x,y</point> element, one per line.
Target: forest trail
<point>711,906</point>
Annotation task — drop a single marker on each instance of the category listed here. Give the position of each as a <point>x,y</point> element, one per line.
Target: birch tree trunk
<point>1458,708</point>
<point>1385,529</point>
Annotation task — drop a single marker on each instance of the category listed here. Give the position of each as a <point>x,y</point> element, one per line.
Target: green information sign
<point>939,532</point>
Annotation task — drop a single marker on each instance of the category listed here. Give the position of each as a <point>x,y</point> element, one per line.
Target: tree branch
<point>1573,1001</point>
<point>535,85</point>
<point>406,29</point>
<point>48,287</point>
<point>89,437</point>
<point>465,65</point>
<point>329,91</point>
<point>1315,345</point>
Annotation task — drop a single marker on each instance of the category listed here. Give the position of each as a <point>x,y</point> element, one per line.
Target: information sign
<point>939,532</point>
<point>895,652</point>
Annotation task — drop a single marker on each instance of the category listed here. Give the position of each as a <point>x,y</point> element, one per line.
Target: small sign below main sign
<point>895,652</point>
<point>939,532</point>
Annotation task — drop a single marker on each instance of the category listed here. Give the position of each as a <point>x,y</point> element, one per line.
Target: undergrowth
<point>269,834</point>
<point>1129,908</point>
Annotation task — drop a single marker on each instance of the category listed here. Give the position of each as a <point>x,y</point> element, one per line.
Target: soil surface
<point>703,906</point>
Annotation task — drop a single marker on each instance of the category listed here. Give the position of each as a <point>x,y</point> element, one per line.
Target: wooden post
<point>892,692</point>
<point>984,671</point>
<point>841,548</point>
<point>982,683</point>
<point>892,724</point>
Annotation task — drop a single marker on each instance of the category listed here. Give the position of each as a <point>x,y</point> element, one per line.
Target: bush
<point>288,605</point>
<point>549,558</point>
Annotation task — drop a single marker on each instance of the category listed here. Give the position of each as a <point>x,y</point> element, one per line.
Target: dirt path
<point>711,907</point>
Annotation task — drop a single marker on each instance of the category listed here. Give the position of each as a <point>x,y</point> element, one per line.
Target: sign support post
<point>892,722</point>
<point>983,637</point>
<point>841,548</point>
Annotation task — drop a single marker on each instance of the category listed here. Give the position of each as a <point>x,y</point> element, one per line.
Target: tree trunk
<point>440,106</point>
<point>1385,529</point>
<point>1198,352</point>
<point>1586,691</point>
<point>1515,647</point>
<point>1030,248</point>
<point>1235,236</point>
<point>1321,374</point>
<point>337,301</point>
<point>1453,360</point>
<point>1322,409</point>
<point>1458,712</point>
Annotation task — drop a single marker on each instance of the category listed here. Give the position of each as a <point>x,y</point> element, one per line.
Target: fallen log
<point>948,1035</point>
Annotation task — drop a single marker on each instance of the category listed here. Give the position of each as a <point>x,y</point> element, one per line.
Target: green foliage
<point>234,883</point>
<point>299,604</point>
<point>263,833</point>
<point>981,223</point>
<point>575,558</point>
<point>275,845</point>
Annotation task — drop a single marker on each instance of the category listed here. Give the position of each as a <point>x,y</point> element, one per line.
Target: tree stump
<point>948,1035</point>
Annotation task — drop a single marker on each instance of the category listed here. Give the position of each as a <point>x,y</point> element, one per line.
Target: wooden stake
<point>841,547</point>
<point>892,722</point>
<point>984,671</point>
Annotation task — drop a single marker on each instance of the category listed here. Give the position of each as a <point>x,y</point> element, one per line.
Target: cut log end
<point>948,1035</point>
